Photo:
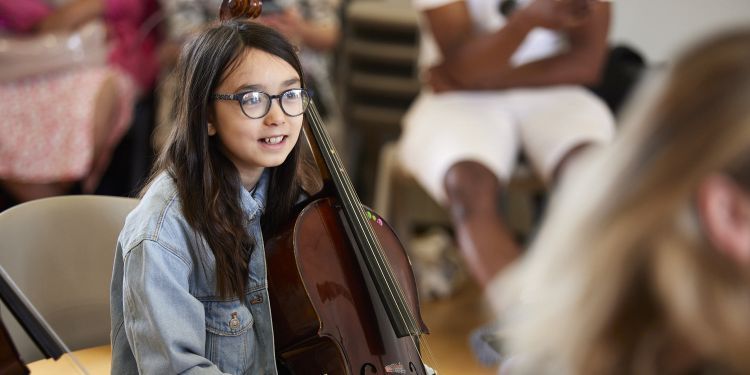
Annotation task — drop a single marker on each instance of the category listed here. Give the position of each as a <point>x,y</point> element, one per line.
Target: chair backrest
<point>59,251</point>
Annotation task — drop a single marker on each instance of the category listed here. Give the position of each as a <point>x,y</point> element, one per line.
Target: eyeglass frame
<point>238,98</point>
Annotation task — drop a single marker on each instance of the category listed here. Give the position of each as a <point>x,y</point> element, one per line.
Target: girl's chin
<point>274,161</point>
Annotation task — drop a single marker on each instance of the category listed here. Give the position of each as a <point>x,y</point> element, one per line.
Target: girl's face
<point>255,144</point>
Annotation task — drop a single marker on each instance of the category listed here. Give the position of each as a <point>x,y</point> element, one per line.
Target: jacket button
<point>234,323</point>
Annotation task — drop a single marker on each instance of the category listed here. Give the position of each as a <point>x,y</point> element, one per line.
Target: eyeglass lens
<point>293,102</point>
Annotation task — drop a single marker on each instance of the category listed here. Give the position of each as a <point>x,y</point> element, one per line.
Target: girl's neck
<point>250,178</point>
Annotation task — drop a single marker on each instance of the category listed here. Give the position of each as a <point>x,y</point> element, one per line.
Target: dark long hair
<point>207,182</point>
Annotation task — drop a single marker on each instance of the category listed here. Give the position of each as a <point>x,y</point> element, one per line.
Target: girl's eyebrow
<point>290,82</point>
<point>257,87</point>
<point>249,87</point>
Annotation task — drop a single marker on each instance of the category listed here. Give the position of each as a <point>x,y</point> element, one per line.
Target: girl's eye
<point>252,98</point>
<point>295,94</point>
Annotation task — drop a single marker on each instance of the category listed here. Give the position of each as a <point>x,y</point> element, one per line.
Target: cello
<point>343,295</point>
<point>342,291</point>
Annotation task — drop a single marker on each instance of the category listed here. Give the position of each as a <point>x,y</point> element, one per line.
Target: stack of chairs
<point>377,78</point>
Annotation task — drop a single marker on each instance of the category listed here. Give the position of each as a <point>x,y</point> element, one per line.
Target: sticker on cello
<point>374,217</point>
<point>395,368</point>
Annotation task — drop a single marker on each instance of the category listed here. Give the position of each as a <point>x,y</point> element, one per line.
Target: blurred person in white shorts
<point>501,76</point>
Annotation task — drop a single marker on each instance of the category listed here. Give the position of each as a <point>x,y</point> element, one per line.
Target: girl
<point>189,292</point>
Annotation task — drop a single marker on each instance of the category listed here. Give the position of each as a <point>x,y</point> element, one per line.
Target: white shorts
<point>491,126</point>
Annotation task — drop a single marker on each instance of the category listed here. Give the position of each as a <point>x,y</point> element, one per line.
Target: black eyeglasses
<point>256,104</point>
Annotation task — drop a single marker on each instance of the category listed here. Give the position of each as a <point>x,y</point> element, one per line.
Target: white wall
<point>662,28</point>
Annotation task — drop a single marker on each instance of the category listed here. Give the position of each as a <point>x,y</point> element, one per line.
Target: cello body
<point>324,317</point>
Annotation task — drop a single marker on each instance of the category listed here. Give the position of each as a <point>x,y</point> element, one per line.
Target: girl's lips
<point>274,142</point>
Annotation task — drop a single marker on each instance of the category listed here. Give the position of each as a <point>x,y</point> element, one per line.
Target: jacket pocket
<point>229,335</point>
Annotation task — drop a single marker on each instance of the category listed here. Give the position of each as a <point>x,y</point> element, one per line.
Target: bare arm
<point>580,65</point>
<point>482,61</point>
<point>469,54</point>
<point>71,15</point>
<point>320,36</point>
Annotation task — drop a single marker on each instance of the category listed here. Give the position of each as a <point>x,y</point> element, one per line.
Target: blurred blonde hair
<point>621,274</point>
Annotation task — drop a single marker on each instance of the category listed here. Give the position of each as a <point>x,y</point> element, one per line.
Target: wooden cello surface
<point>325,319</point>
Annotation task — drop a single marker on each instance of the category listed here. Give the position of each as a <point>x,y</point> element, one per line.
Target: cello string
<point>365,229</point>
<point>358,216</point>
<point>352,196</point>
<point>382,263</point>
<point>373,243</point>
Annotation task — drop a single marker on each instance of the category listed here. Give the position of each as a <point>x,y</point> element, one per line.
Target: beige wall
<point>661,28</point>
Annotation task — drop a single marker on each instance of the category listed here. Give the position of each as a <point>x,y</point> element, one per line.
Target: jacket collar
<point>254,201</point>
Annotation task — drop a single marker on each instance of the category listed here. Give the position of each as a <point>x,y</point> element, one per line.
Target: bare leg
<point>485,241</point>
<point>569,159</point>
<point>105,113</point>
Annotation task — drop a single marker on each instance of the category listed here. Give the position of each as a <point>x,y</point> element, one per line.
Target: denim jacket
<point>166,315</point>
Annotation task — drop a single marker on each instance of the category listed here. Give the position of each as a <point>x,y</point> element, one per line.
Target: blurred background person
<point>644,264</point>
<point>315,27</point>
<point>180,20</point>
<point>60,124</point>
<point>501,77</point>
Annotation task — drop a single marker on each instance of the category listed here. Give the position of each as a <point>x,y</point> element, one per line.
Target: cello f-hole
<point>413,367</point>
<point>365,366</point>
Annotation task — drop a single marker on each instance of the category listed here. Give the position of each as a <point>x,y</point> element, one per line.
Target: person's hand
<point>289,23</point>
<point>557,14</point>
<point>58,21</point>
<point>440,80</point>
<point>168,53</point>
<point>70,16</point>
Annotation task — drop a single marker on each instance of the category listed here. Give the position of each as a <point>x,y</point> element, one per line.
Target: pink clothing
<point>47,121</point>
<point>48,128</point>
<point>132,51</point>
<point>21,16</point>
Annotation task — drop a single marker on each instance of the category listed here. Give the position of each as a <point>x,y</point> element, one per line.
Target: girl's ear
<point>724,209</point>
<point>210,116</point>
